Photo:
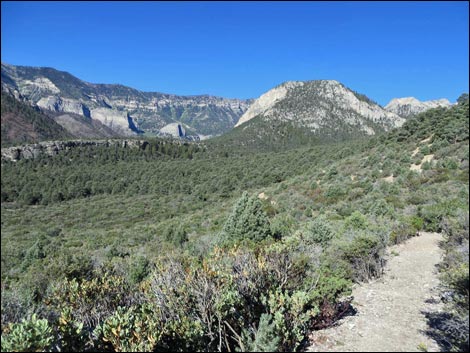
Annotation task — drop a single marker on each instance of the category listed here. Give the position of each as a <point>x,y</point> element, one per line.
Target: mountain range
<point>323,109</point>
<point>409,106</point>
<point>125,110</point>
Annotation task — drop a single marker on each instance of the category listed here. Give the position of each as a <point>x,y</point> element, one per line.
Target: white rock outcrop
<point>41,84</point>
<point>52,148</point>
<point>173,129</point>
<point>320,104</point>
<point>58,104</point>
<point>116,120</point>
<point>266,101</point>
<point>408,106</point>
<point>61,92</point>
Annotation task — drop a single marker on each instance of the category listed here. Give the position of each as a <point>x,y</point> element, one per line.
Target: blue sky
<point>242,49</point>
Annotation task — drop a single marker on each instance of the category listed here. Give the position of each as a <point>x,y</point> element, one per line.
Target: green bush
<point>263,339</point>
<point>140,268</point>
<point>133,329</point>
<point>247,221</point>
<point>282,226</point>
<point>176,235</point>
<point>30,335</point>
<point>356,221</point>
<point>319,232</point>
<point>364,252</point>
<point>433,215</point>
<point>401,233</point>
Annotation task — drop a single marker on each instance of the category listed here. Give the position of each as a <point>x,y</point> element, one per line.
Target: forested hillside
<point>22,123</point>
<point>246,242</point>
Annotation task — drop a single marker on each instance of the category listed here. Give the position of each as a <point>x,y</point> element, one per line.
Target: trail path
<point>389,310</point>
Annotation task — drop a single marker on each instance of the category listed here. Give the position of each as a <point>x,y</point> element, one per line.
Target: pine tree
<point>264,339</point>
<point>247,220</point>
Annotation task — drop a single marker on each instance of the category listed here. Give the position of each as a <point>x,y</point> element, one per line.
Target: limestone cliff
<point>409,106</point>
<point>124,109</point>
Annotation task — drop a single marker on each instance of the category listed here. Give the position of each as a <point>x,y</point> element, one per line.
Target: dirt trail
<point>389,316</point>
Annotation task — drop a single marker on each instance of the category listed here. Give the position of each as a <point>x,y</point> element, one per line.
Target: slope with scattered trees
<point>161,249</point>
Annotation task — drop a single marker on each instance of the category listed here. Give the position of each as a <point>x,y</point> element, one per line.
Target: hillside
<point>22,123</point>
<point>325,107</point>
<point>205,247</point>
<point>82,127</point>
<point>125,110</point>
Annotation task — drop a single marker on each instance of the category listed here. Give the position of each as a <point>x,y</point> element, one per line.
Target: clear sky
<point>243,49</point>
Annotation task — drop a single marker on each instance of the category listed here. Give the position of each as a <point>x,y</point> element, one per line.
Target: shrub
<point>408,227</point>
<point>263,339</point>
<point>247,221</point>
<point>176,235</point>
<point>140,268</point>
<point>417,223</point>
<point>133,329</point>
<point>292,313</point>
<point>452,326</point>
<point>364,252</point>
<point>401,233</point>
<point>282,226</point>
<point>319,232</point>
<point>356,221</point>
<point>91,301</point>
<point>433,215</point>
<point>30,335</point>
<point>380,207</point>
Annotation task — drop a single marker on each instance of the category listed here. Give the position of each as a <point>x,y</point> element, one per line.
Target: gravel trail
<point>389,314</point>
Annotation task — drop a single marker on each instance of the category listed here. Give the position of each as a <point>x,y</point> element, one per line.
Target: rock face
<point>81,127</point>
<point>409,106</point>
<point>265,103</point>
<point>322,106</point>
<point>124,109</point>
<point>174,130</point>
<point>58,104</point>
<point>54,147</point>
<point>115,119</point>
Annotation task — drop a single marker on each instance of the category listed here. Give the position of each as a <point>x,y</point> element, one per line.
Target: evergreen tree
<point>264,339</point>
<point>247,220</point>
<point>463,98</point>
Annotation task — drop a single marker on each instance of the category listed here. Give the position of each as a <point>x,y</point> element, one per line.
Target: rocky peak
<point>321,105</point>
<point>266,101</point>
<point>408,106</point>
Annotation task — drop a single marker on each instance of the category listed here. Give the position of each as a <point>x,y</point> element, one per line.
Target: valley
<point>248,241</point>
<point>198,176</point>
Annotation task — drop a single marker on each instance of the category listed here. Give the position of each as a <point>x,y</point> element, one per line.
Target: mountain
<point>322,106</point>
<point>408,106</point>
<point>325,109</point>
<point>23,123</point>
<point>125,110</point>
